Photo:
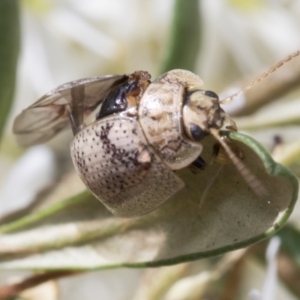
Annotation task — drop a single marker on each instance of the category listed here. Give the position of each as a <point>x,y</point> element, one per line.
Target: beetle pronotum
<point>142,132</point>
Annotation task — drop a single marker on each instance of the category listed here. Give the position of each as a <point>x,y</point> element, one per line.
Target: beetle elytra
<point>143,131</point>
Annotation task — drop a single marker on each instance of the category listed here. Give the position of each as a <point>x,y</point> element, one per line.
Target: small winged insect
<point>143,131</point>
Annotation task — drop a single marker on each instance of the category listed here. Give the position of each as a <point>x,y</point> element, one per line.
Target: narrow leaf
<point>184,40</point>
<point>84,235</point>
<point>9,50</point>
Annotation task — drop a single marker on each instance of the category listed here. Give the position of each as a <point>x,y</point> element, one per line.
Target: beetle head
<point>202,112</point>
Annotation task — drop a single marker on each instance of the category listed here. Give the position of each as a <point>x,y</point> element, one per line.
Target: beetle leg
<point>198,164</point>
<point>215,153</point>
<point>219,155</point>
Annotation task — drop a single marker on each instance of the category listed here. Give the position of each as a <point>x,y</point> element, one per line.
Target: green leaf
<point>290,240</point>
<point>80,233</point>
<point>9,50</point>
<point>184,40</point>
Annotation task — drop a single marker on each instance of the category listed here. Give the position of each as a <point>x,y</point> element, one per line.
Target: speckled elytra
<point>143,131</point>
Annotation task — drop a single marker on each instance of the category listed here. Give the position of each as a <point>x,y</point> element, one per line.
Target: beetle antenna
<point>261,77</point>
<point>254,183</point>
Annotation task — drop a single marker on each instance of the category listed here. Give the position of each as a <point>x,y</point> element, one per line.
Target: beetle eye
<point>211,94</point>
<point>196,132</point>
<point>116,100</point>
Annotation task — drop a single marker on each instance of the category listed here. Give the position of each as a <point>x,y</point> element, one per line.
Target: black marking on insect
<point>142,133</point>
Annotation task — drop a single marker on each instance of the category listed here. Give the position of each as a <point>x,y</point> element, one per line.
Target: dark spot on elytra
<point>119,164</point>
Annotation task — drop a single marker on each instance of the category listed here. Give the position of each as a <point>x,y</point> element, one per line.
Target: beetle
<point>143,131</point>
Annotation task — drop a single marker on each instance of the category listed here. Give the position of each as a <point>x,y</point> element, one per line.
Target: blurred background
<point>229,43</point>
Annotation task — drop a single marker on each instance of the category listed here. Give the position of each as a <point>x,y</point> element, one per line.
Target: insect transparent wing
<point>114,161</point>
<point>39,124</point>
<point>49,115</point>
<point>95,88</point>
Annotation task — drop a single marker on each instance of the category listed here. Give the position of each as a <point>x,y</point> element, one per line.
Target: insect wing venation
<point>95,88</point>
<point>49,115</point>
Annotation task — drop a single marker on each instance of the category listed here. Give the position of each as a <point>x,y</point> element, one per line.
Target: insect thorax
<point>171,107</point>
